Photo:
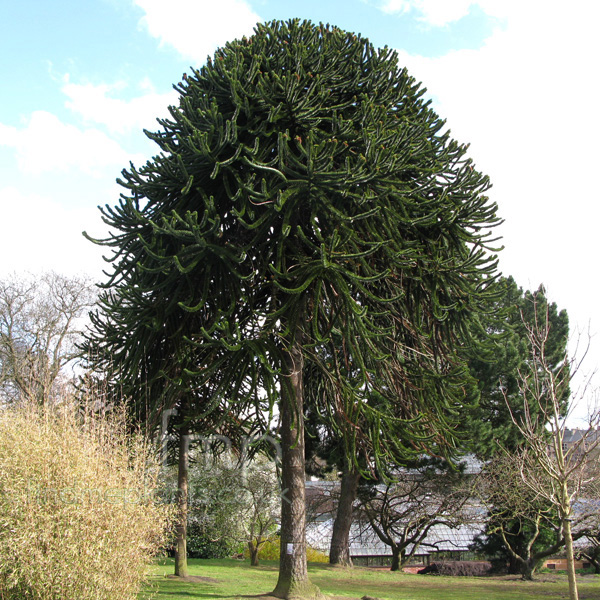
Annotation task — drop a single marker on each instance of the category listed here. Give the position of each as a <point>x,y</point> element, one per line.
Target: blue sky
<point>79,80</point>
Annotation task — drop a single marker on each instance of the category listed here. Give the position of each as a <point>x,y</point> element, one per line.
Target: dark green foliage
<point>457,569</point>
<point>201,544</point>
<point>304,193</point>
<point>522,529</point>
<point>502,358</point>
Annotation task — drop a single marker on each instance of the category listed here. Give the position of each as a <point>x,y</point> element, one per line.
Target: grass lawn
<point>231,579</point>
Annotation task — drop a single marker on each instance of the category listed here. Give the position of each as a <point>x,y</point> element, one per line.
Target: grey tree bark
<point>339,550</point>
<point>293,579</point>
<point>181,565</point>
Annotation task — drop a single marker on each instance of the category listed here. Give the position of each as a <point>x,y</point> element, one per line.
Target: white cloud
<point>41,234</point>
<point>526,102</point>
<point>439,13</point>
<point>95,103</point>
<point>434,12</point>
<point>195,28</point>
<point>46,144</point>
<point>397,6</point>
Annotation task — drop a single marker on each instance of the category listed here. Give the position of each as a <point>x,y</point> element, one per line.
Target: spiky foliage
<point>302,179</point>
<point>306,202</point>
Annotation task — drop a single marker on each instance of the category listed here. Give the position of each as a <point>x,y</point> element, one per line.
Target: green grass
<point>230,580</point>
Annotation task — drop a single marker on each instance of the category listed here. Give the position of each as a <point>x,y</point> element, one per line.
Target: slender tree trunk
<point>339,551</point>
<point>293,579</point>
<point>395,559</point>
<point>181,566</point>
<point>568,535</point>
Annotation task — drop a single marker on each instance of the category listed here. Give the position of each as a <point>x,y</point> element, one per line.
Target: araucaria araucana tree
<point>305,196</point>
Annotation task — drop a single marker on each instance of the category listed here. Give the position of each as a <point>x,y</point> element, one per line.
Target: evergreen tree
<point>305,194</point>
<point>355,458</point>
<point>502,356</point>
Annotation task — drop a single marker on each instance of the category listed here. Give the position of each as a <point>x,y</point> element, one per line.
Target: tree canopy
<point>501,358</point>
<point>306,202</point>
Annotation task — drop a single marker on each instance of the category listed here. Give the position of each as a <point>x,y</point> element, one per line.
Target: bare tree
<point>526,524</point>
<point>403,511</point>
<point>554,471</point>
<point>591,551</point>
<point>41,321</point>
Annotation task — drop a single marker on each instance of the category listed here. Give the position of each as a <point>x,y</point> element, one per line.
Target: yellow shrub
<point>78,519</point>
<point>270,551</point>
<point>316,556</point>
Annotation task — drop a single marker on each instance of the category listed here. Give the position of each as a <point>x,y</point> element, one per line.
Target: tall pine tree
<point>502,356</point>
<point>304,193</point>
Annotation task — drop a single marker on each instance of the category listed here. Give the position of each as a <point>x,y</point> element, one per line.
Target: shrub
<point>457,569</point>
<point>316,556</point>
<point>201,545</point>
<point>269,550</point>
<point>78,518</point>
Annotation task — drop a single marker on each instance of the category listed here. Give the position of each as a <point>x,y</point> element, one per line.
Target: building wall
<point>560,564</point>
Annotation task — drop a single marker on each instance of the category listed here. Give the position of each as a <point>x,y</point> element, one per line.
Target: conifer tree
<point>502,356</point>
<point>305,193</point>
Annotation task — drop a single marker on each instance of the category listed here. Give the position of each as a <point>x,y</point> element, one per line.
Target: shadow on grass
<point>229,579</point>
<point>175,587</point>
<point>326,567</point>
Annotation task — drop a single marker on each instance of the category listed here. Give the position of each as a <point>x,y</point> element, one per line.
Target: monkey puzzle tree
<point>146,359</point>
<point>306,197</point>
<point>333,443</point>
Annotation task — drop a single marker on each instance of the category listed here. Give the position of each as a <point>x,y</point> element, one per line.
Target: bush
<point>457,569</point>
<point>78,518</point>
<point>269,550</point>
<point>201,545</point>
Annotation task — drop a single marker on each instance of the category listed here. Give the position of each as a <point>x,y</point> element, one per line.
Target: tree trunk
<point>593,556</point>
<point>339,551</point>
<point>293,579</point>
<point>395,559</point>
<point>573,593</point>
<point>527,569</point>
<point>253,548</point>
<point>181,566</point>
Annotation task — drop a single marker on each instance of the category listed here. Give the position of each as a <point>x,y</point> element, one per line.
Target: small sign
<point>290,549</point>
